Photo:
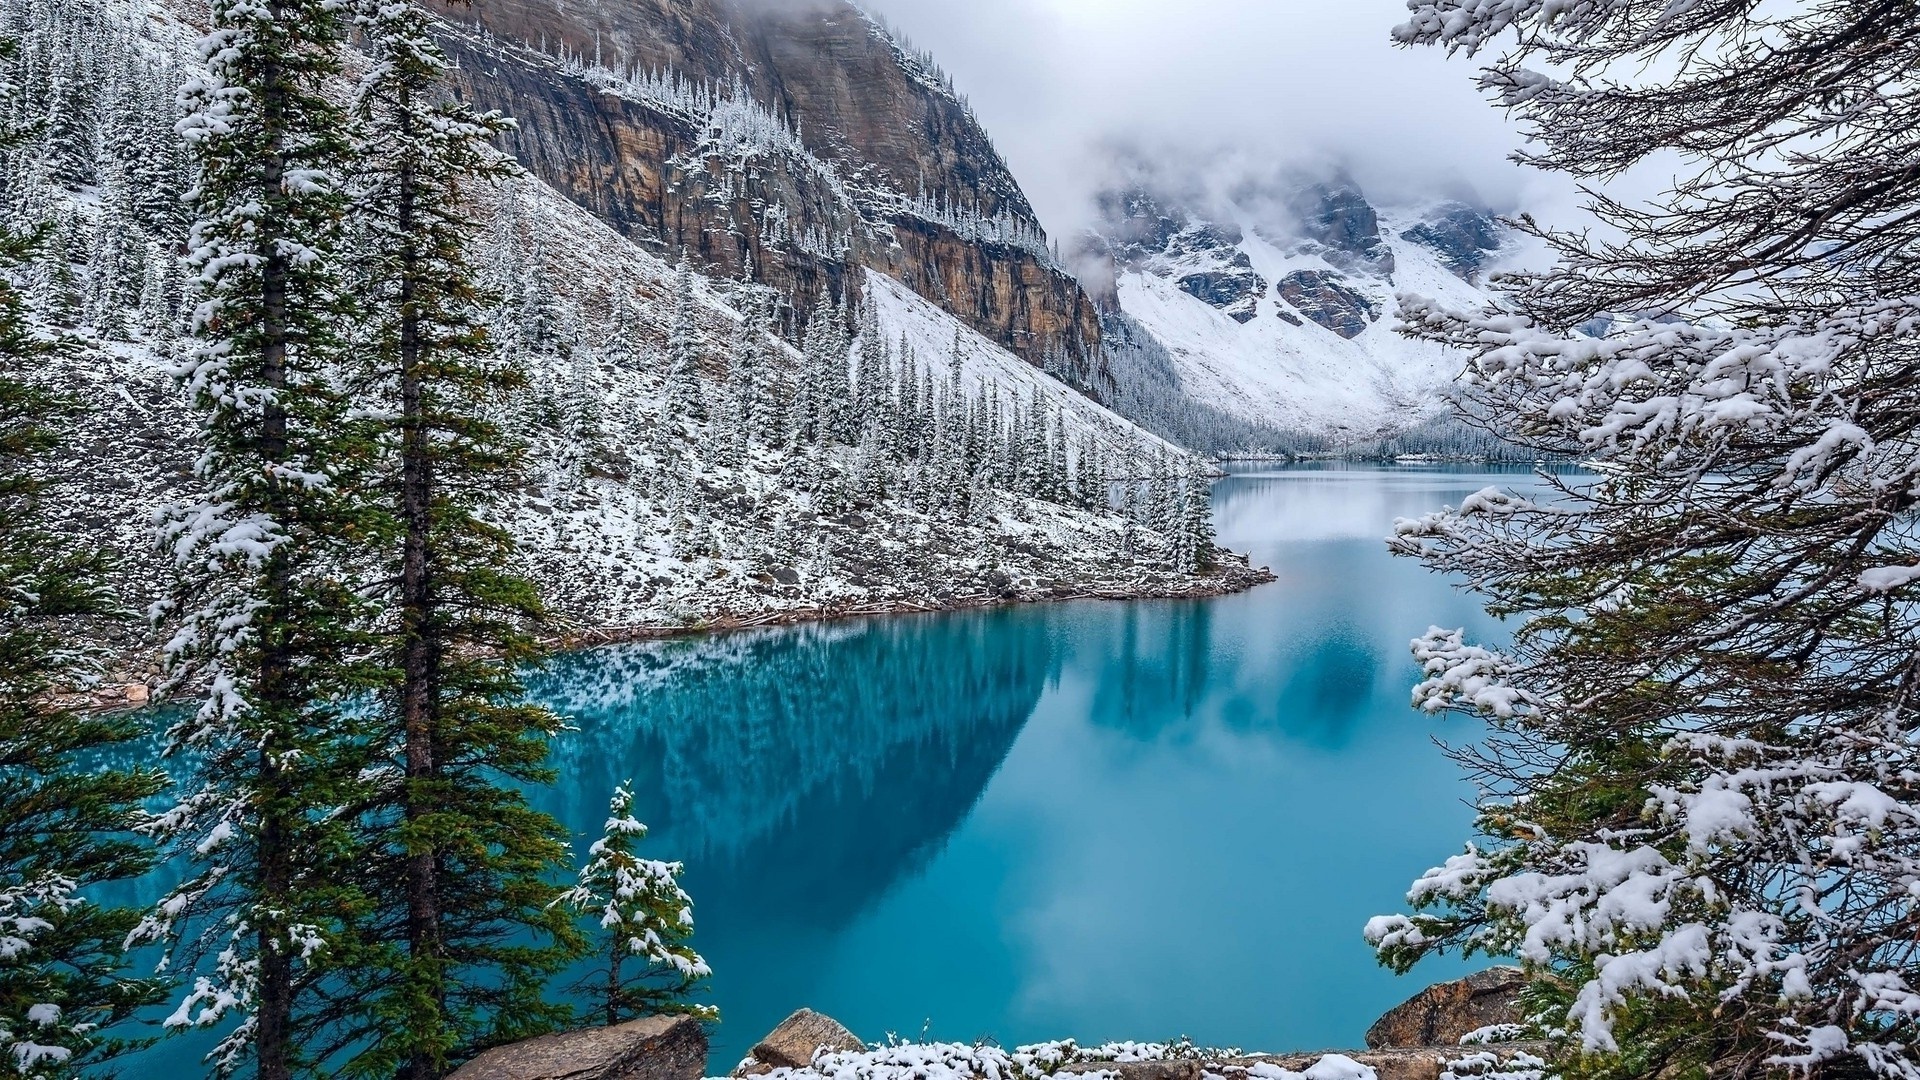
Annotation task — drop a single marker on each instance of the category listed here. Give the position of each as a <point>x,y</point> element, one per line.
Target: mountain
<point>1266,304</point>
<point>867,419</point>
<point>799,143</point>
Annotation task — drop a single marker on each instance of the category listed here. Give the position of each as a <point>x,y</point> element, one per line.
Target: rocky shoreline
<point>1465,1030</point>
<point>1235,574</point>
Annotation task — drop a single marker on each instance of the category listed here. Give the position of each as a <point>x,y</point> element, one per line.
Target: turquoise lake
<point>1093,820</point>
<point>1099,820</point>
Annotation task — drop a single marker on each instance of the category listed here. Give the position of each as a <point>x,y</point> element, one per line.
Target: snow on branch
<point>1463,676</point>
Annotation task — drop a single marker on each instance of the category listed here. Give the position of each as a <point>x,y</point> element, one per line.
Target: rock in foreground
<point>657,1048</point>
<point>1419,1040</point>
<point>1445,1014</point>
<point>793,1044</point>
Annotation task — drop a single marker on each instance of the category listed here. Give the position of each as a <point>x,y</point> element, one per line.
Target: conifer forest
<point>488,486</point>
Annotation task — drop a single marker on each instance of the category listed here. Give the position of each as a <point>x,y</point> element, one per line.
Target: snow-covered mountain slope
<point>1274,302</point>
<point>987,369</point>
<point>646,502</point>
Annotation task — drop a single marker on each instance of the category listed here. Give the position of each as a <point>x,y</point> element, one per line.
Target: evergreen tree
<point>686,402</point>
<point>63,985</point>
<point>270,621</point>
<point>748,372</point>
<point>68,144</point>
<point>809,381</point>
<point>57,296</point>
<point>645,919</point>
<point>1701,828</point>
<point>835,394</point>
<point>454,860</point>
<point>1199,545</point>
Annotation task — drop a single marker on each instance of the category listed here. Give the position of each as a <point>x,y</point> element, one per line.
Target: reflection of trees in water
<point>1163,665</point>
<point>1158,660</point>
<point>799,771</point>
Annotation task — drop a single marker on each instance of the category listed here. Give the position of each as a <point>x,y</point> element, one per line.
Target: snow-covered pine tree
<point>1199,546</point>
<point>268,619</point>
<point>63,981</point>
<point>583,405</point>
<point>837,419</point>
<point>1701,825</point>
<point>807,405</point>
<point>1157,502</point>
<point>1059,484</point>
<point>747,372</point>
<point>67,148</point>
<point>685,397</point>
<point>56,295</point>
<point>644,919</point>
<point>1089,476</point>
<point>459,934</point>
<point>116,266</point>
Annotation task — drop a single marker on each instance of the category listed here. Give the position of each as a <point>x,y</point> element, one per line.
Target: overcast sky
<point>1281,81</point>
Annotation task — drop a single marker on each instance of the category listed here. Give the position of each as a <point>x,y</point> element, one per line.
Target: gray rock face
<point>1139,225</point>
<point>1442,1015</point>
<point>1321,297</point>
<point>1236,290</point>
<point>657,1048</point>
<point>1462,236</point>
<point>1341,220</point>
<point>887,128</point>
<point>794,1043</point>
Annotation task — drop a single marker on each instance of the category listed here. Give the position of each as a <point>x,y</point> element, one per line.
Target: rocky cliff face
<point>790,143</point>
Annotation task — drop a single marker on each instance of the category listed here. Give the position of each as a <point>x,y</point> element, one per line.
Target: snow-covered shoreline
<point>1235,575</point>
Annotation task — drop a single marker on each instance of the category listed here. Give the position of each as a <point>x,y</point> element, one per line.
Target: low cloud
<point>1222,85</point>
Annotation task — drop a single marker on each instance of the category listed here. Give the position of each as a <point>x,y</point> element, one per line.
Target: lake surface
<point>1091,820</point>
<point>1097,820</point>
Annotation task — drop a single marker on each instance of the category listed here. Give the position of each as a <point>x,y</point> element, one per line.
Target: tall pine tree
<point>270,619</point>
<point>456,863</point>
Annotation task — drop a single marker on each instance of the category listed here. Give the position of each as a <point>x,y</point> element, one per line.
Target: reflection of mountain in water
<point>821,762</point>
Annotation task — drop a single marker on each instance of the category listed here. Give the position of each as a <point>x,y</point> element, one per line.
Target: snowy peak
<point>1272,294</point>
<point>1336,222</point>
<point>1465,238</point>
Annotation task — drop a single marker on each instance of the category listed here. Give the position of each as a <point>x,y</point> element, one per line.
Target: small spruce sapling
<point>645,919</point>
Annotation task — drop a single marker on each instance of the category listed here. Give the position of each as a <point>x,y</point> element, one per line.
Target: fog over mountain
<point>1295,83</point>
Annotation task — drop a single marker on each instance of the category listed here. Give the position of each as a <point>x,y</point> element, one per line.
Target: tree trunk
<point>273,1041</point>
<point>419,691</point>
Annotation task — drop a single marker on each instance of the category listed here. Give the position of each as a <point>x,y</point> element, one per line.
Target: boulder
<point>1442,1015</point>
<point>794,1043</point>
<point>657,1048</point>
